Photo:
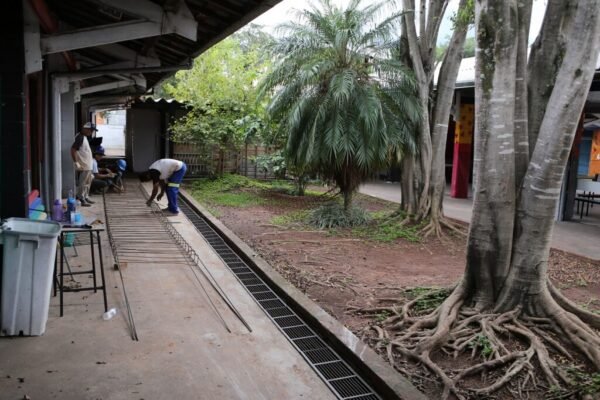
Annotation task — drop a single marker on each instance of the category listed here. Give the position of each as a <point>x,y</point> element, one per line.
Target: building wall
<point>143,136</point>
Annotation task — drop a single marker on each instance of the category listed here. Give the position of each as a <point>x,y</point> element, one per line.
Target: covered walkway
<point>578,236</point>
<point>184,350</point>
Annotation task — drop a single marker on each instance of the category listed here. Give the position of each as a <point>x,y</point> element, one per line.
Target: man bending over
<point>167,175</point>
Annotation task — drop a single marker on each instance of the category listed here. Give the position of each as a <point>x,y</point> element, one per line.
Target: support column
<point>461,161</point>
<point>56,171</point>
<point>13,173</point>
<point>569,188</point>
<point>67,136</point>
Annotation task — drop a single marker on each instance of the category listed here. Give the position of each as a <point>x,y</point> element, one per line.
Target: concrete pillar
<point>13,168</point>
<point>67,129</point>
<point>461,161</point>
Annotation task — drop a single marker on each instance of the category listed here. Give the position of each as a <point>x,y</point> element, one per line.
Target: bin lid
<point>19,226</point>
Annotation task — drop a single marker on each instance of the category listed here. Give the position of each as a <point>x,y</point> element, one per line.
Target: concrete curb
<point>386,381</point>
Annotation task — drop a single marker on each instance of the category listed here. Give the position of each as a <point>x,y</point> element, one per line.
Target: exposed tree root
<point>510,347</point>
<point>438,225</point>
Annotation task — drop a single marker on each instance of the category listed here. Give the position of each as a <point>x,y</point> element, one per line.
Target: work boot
<point>87,199</point>
<point>167,211</point>
<point>85,203</point>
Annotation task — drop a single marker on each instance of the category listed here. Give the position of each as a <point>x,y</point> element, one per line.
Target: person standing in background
<point>165,174</point>
<point>81,153</point>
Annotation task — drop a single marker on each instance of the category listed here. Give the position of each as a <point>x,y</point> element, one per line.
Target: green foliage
<point>274,163</point>
<point>465,16</point>
<point>292,218</point>
<point>483,343</point>
<point>221,91</point>
<point>385,229</point>
<point>241,199</point>
<point>232,190</point>
<point>341,99</point>
<point>225,73</point>
<point>228,191</point>
<point>586,383</point>
<point>582,384</point>
<point>468,49</point>
<point>382,316</point>
<point>334,215</point>
<point>228,182</point>
<point>429,298</point>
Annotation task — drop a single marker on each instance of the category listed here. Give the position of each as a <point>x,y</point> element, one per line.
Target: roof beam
<point>136,8</point>
<point>125,53</point>
<point>97,36</point>
<point>156,21</point>
<point>177,16</point>
<point>106,86</point>
<point>138,79</point>
<point>87,74</point>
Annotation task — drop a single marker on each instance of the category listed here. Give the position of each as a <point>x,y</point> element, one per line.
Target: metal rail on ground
<point>115,252</point>
<point>338,375</point>
<point>194,260</point>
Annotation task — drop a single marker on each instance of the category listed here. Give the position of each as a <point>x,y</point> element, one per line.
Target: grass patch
<point>294,217</point>
<point>582,384</point>
<point>382,316</point>
<point>430,299</point>
<point>383,229</point>
<point>241,199</point>
<point>230,191</point>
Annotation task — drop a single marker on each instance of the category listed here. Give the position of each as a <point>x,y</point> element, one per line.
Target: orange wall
<point>595,154</point>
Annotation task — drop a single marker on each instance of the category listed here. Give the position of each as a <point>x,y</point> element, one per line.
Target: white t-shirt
<point>83,154</point>
<point>94,166</point>
<point>166,167</point>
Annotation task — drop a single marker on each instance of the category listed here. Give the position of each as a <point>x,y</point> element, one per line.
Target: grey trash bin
<point>27,273</point>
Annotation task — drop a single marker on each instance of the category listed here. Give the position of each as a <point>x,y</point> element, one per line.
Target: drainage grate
<point>336,373</point>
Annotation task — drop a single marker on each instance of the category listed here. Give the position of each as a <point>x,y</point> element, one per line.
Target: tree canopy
<point>221,90</point>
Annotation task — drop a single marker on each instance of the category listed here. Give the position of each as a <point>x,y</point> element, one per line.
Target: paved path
<point>581,237</point>
<point>184,351</point>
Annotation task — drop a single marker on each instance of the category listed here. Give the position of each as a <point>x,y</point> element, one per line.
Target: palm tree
<point>342,99</point>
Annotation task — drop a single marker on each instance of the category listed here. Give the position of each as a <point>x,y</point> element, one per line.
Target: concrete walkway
<point>184,351</point>
<point>581,237</point>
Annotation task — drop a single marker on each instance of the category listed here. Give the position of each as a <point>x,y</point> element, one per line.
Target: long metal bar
<point>197,260</point>
<point>133,330</point>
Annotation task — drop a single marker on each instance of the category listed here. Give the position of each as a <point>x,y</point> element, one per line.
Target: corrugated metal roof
<point>216,20</point>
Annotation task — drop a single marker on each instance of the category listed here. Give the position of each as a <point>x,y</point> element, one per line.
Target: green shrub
<point>332,215</point>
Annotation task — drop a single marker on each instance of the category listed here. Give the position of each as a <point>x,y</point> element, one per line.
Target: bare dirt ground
<point>341,270</point>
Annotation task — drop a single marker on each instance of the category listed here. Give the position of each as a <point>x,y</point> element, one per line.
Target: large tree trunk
<point>540,191</point>
<point>490,236</point>
<point>505,292</point>
<point>423,174</point>
<point>511,231</point>
<point>441,115</point>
